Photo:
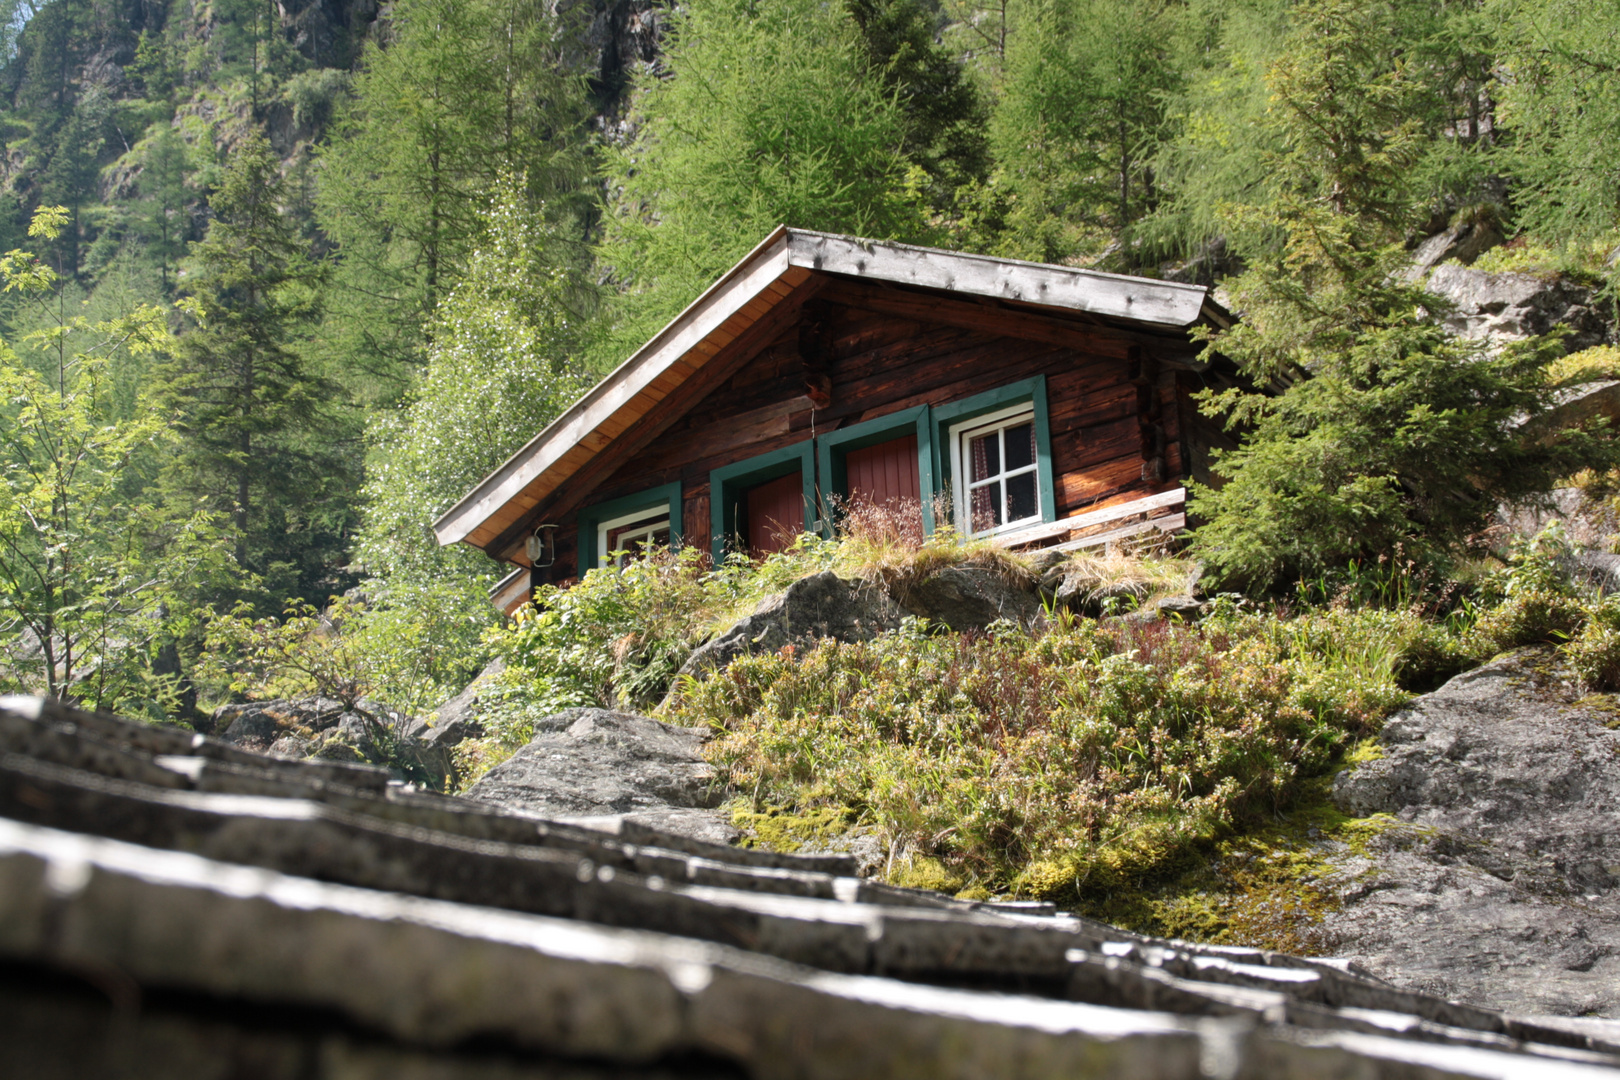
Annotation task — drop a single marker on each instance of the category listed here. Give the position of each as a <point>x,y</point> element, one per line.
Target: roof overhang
<point>745,294</point>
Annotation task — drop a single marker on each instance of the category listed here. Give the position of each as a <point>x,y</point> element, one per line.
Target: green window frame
<point>727,483</point>
<point>947,416</point>
<point>832,449</point>
<point>592,517</point>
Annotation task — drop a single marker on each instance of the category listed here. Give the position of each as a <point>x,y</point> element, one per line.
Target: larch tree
<point>770,112</point>
<point>449,94</point>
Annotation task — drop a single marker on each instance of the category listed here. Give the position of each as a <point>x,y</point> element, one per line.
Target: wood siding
<point>1115,416</point>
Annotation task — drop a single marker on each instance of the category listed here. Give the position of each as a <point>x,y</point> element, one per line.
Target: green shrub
<point>1526,618</point>
<point>1535,602</point>
<point>1595,651</point>
<point>1085,758</point>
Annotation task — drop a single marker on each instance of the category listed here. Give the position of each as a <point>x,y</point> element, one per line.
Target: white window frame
<point>958,435</point>
<point>661,524</point>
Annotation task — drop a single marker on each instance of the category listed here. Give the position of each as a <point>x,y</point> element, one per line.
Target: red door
<point>775,514</point>
<point>885,475</point>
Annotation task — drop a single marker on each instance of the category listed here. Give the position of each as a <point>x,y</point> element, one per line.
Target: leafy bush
<point>1595,651</point>
<point>1088,757</point>
<point>613,639</point>
<point>1536,603</point>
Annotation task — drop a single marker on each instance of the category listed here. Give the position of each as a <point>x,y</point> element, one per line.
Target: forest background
<point>284,282</point>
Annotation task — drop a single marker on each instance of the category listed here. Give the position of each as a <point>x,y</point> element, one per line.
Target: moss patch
<point>779,829</point>
<point>1269,888</point>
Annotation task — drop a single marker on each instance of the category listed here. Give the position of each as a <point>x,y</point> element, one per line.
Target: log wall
<point>1113,408</point>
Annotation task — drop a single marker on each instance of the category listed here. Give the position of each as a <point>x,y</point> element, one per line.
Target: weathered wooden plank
<point>1092,518</point>
<point>1170,524</point>
<point>1162,303</point>
<point>512,591</point>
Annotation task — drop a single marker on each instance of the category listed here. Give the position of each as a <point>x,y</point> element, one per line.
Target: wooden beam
<point>1173,523</point>
<point>995,318</point>
<point>1142,300</point>
<point>1176,497</point>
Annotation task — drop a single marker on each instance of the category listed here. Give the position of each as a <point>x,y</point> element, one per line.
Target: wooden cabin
<point>1040,405</point>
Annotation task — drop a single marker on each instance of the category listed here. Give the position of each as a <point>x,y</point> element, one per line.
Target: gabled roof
<point>765,278</point>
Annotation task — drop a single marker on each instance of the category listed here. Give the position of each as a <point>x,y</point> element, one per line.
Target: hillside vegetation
<point>281,287</point>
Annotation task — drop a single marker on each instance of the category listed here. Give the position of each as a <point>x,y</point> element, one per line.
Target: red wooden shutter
<point>885,474</point>
<point>775,512</point>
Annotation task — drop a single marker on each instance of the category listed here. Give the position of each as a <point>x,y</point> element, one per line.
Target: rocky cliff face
<point>1493,878</point>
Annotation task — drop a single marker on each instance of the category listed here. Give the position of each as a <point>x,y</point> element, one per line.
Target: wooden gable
<point>814,335</point>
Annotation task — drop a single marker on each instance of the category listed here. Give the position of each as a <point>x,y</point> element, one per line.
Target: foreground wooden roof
<point>770,276</point>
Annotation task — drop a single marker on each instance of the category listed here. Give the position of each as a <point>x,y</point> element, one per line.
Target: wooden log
<point>1170,524</point>
<point>1092,518</point>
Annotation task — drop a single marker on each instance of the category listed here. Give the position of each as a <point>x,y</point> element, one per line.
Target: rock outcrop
<point>970,598</point>
<point>1497,308</point>
<point>819,606</point>
<point>597,766</point>
<point>172,905</point>
<point>1494,879</point>
<point>367,733</point>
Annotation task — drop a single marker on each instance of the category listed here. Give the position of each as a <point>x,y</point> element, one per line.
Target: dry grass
<point>885,545</point>
<point>1143,574</point>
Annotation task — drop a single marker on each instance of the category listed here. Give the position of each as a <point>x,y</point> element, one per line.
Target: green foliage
<point>1560,100</point>
<point>615,638</point>
<point>1534,600</point>
<point>1401,435</point>
<point>95,575</point>
<point>455,93</point>
<point>768,113</point>
<point>944,115</point>
<point>1594,653</point>
<point>1067,763</point>
<point>302,653</point>
<point>1080,117</point>
<point>501,367</point>
<point>258,421</point>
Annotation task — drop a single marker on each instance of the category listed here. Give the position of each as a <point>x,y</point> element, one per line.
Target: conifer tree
<point>258,422</point>
<point>1393,435</point>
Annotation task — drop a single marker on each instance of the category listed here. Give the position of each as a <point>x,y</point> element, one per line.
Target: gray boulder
<point>460,718</point>
<point>1464,243</point>
<point>970,598</point>
<point>256,725</point>
<point>598,765</point>
<point>1498,308</point>
<point>1494,881</point>
<point>1598,569</point>
<point>820,606</point>
<point>321,727</point>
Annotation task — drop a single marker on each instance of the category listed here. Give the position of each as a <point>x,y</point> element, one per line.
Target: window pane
<point>1021,501</point>
<point>1021,446</point>
<point>986,505</point>
<point>984,456</point>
